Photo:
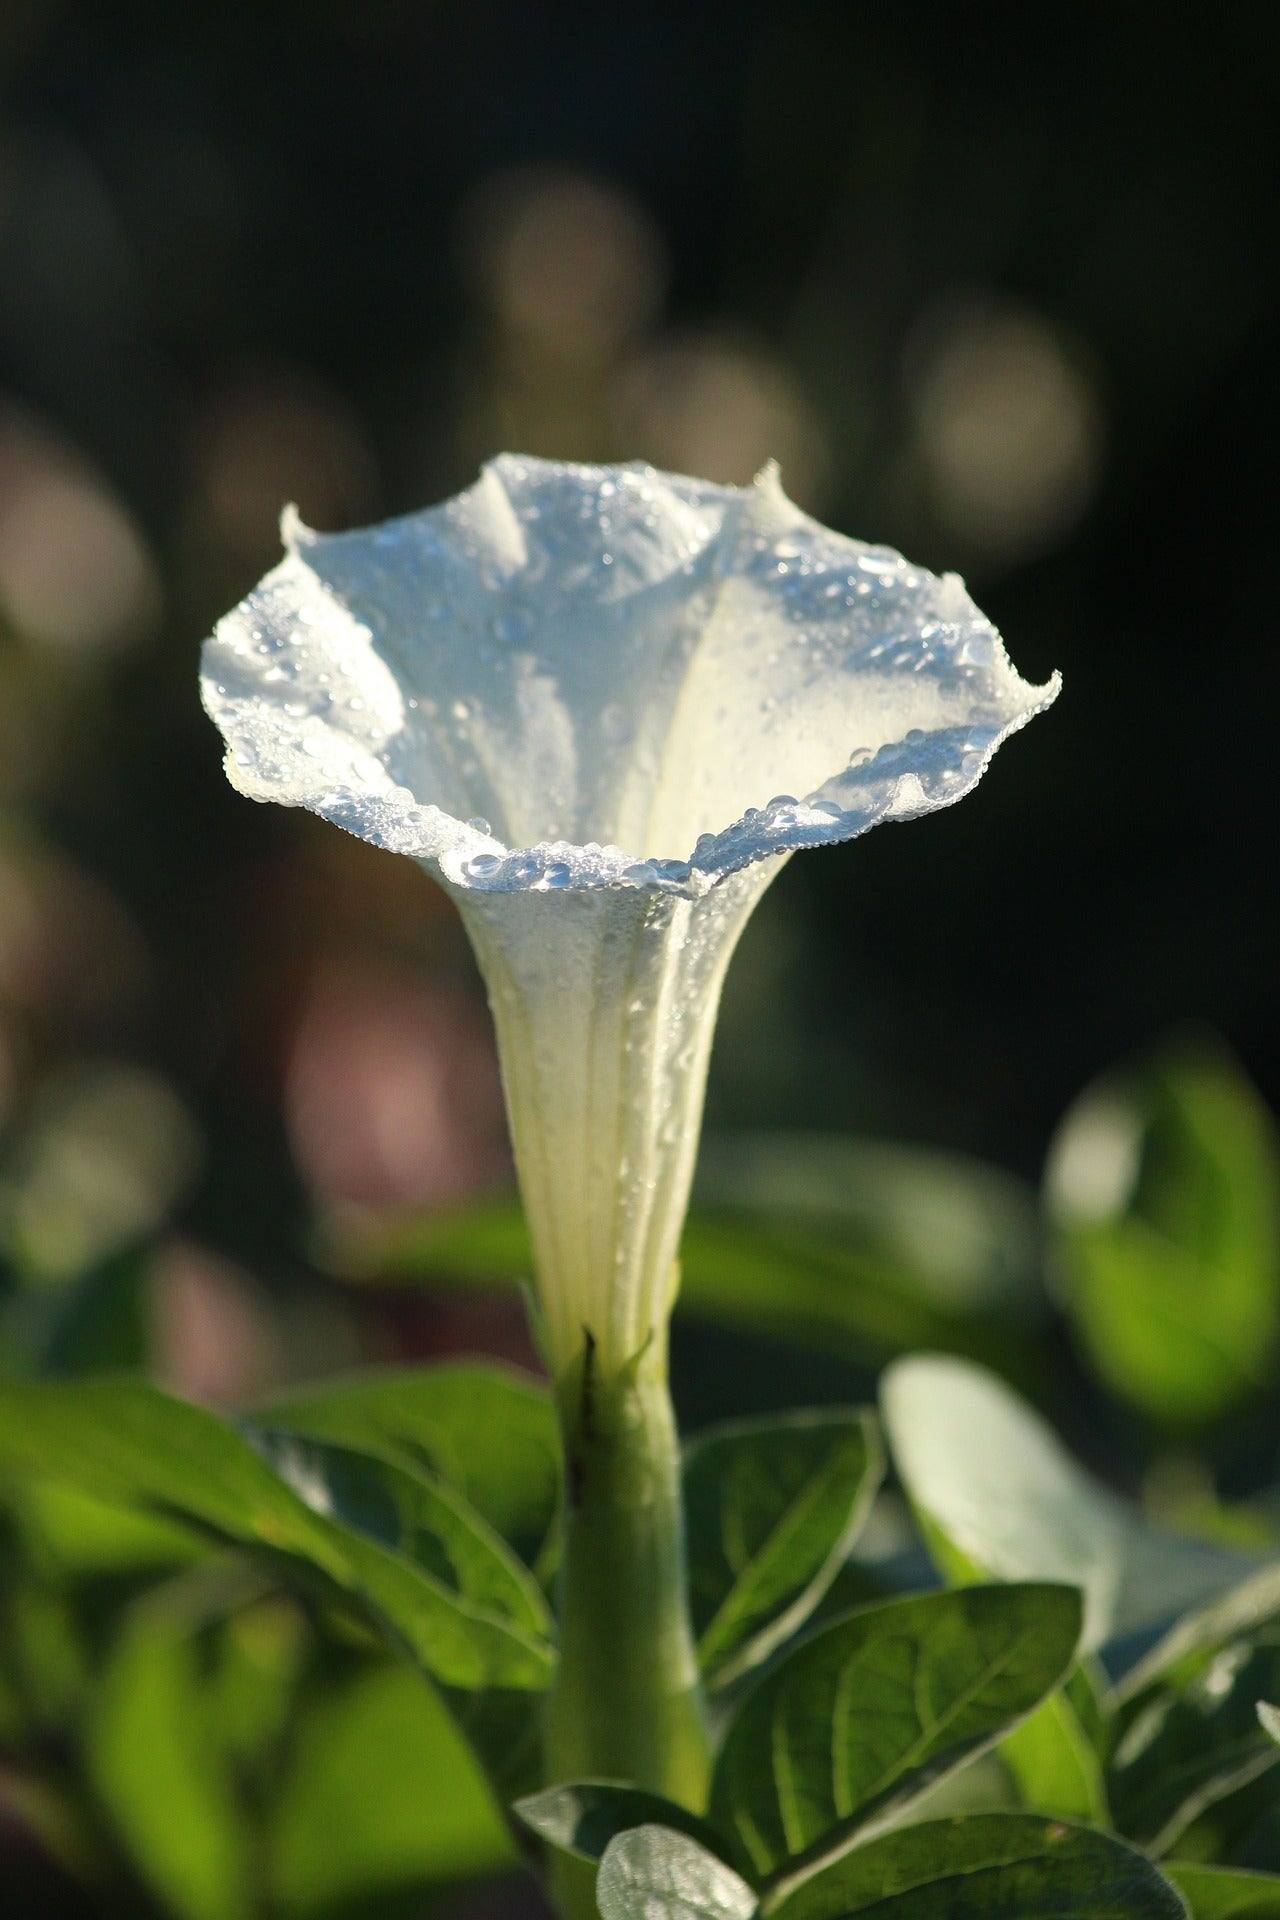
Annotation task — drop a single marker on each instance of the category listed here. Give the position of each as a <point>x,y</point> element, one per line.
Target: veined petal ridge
<point>576,677</point>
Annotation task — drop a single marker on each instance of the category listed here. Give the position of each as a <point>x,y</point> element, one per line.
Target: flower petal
<point>574,677</point>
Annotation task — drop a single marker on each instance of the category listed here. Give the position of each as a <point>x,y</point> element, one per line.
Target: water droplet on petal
<point>556,875</point>
<point>482,866</point>
<point>479,824</point>
<point>513,626</point>
<point>782,800</point>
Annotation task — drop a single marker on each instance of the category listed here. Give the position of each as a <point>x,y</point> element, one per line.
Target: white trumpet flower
<point>602,705</point>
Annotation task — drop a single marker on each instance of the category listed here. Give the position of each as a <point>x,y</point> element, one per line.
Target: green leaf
<point>503,1728</point>
<point>1226,1893</point>
<point>416,1518</point>
<point>161,1775</point>
<point>380,1798</point>
<point>84,1536</point>
<point>818,1285</point>
<point>773,1507</point>
<point>954,1232</point>
<point>862,1717</point>
<point>485,1242</point>
<point>652,1873</point>
<point>488,1431</point>
<point>1163,1186</point>
<point>985,1866</point>
<point>1243,1611</point>
<point>998,1496</point>
<point>1269,1720</point>
<point>131,1443</point>
<point>583,1816</point>
<point>1194,1742</point>
<point>98,1322</point>
<point>1054,1765</point>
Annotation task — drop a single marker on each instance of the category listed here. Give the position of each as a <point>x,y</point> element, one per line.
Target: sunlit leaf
<point>1054,1764</point>
<point>127,1442</point>
<point>652,1873</point>
<point>987,1867</point>
<point>1163,1185</point>
<point>859,1719</point>
<point>1226,1893</point>
<point>380,1797</point>
<point>414,1517</point>
<point>998,1495</point>
<point>1191,1744</point>
<point>773,1507</point>
<point>486,1430</point>
<point>160,1773</point>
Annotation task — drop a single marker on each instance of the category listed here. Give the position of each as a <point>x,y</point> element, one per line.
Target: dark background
<point>997,285</point>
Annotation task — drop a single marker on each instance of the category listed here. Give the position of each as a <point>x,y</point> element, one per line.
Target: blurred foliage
<point>994,291</point>
<point>1164,1190</point>
<point>195,1712</point>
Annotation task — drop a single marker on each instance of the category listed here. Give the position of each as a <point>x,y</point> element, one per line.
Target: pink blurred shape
<point>392,1097</point>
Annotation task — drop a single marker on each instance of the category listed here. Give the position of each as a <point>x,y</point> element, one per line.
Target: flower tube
<point>602,705</point>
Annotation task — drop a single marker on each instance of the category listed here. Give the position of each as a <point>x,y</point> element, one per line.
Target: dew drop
<point>513,627</point>
<point>914,736</point>
<point>314,746</point>
<point>556,875</point>
<point>482,866</point>
<point>782,800</point>
<point>479,824</point>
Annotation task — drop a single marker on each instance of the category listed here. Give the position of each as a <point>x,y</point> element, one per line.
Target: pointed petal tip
<point>294,532</point>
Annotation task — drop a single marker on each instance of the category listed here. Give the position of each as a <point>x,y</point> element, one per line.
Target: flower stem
<point>627,1703</point>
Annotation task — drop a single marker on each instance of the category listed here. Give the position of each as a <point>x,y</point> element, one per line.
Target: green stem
<point>627,1703</point>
